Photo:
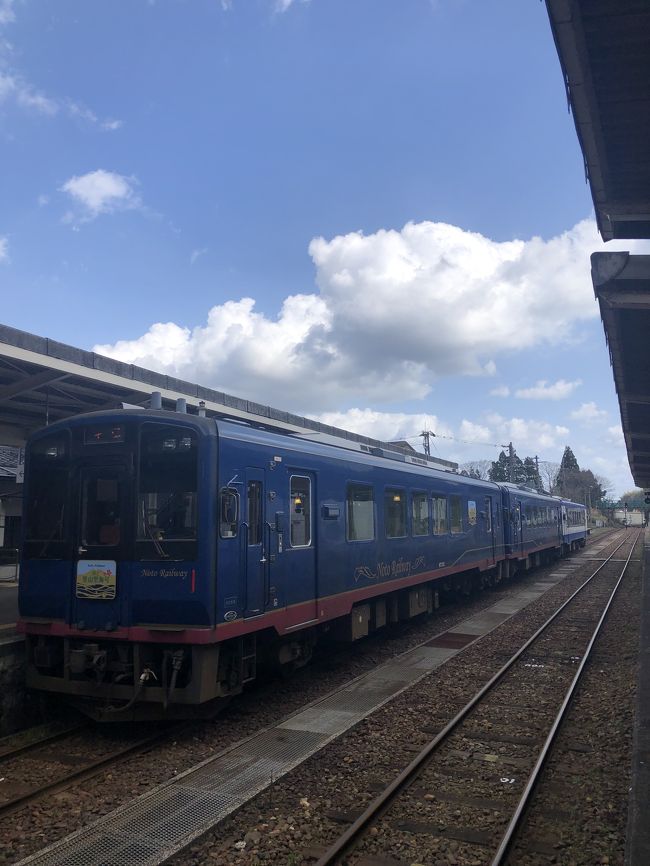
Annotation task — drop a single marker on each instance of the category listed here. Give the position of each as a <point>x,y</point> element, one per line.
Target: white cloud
<point>559,390</point>
<point>4,250</point>
<point>395,311</point>
<point>615,435</point>
<point>195,254</point>
<point>43,200</point>
<point>7,14</point>
<point>283,5</point>
<point>501,391</point>
<point>82,112</point>
<point>100,192</point>
<point>387,426</point>
<point>474,433</point>
<point>24,95</point>
<point>528,436</point>
<point>15,88</point>
<point>478,439</point>
<point>589,412</point>
<point>482,439</point>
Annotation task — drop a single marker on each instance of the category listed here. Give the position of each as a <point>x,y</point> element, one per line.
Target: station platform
<point>637,849</point>
<point>8,606</point>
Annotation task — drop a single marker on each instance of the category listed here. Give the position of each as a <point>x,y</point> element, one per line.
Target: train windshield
<point>48,503</point>
<point>167,493</point>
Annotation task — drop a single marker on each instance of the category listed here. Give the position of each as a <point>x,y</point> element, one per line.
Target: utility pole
<point>511,463</point>
<point>538,480</point>
<point>425,434</point>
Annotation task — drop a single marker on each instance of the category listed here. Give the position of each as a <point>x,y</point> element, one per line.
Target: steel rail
<point>10,754</point>
<point>508,836</point>
<point>383,800</point>
<point>91,769</point>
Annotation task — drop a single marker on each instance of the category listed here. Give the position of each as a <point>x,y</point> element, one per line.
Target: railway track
<point>20,744</point>
<point>438,795</point>
<point>46,766</point>
<point>65,753</point>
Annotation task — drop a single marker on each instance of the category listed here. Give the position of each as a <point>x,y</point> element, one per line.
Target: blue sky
<point>394,185</point>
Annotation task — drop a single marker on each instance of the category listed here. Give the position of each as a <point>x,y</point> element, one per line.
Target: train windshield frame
<point>167,492</point>
<point>79,493</point>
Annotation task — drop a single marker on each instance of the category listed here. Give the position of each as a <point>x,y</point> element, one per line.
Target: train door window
<point>100,510</point>
<point>456,509</point>
<point>394,513</point>
<point>254,512</point>
<point>488,514</point>
<point>439,506</point>
<point>360,513</point>
<point>228,512</point>
<point>300,494</point>
<point>471,512</point>
<point>420,514</point>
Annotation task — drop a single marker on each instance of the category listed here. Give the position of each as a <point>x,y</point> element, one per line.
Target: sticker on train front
<point>96,578</point>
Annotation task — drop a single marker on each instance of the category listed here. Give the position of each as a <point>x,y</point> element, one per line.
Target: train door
<point>489,528</point>
<point>256,542</point>
<point>517,526</point>
<point>299,560</point>
<point>100,546</point>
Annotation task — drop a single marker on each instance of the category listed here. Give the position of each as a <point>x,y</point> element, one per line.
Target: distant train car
<point>166,555</point>
<point>574,525</point>
<point>533,531</point>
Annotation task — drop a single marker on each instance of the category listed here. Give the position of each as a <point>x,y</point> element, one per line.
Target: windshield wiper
<point>149,529</point>
<point>58,529</point>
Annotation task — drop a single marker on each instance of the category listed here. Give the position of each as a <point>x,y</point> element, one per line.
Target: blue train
<point>166,555</point>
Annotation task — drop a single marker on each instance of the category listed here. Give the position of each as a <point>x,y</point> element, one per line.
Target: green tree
<point>533,478</point>
<point>567,478</point>
<point>634,498</point>
<point>569,462</point>
<point>499,469</point>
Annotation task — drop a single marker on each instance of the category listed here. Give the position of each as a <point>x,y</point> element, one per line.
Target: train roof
<point>310,442</point>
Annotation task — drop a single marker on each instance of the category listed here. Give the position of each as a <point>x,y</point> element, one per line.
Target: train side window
<point>456,514</point>
<point>300,494</point>
<point>419,514</point>
<point>488,514</point>
<point>360,513</point>
<point>254,512</point>
<point>228,512</point>
<point>394,513</point>
<point>439,505</point>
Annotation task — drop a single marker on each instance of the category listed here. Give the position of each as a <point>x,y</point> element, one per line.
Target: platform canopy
<point>604,51</point>
<point>622,286</point>
<point>42,381</point>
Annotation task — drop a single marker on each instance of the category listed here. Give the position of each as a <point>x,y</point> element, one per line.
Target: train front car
<point>117,590</point>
